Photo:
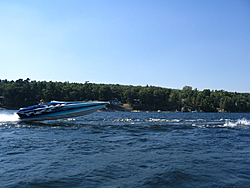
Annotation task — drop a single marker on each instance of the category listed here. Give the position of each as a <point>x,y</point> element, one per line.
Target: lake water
<point>126,149</point>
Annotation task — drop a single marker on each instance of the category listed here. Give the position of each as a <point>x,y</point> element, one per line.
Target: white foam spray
<point>240,122</point>
<point>8,117</point>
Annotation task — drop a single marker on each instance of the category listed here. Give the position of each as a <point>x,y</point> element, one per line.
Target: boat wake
<point>240,122</point>
<point>202,123</point>
<point>9,117</point>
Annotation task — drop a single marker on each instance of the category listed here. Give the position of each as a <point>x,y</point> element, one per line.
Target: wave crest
<point>240,122</point>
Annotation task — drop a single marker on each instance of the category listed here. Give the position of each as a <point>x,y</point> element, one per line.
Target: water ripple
<point>121,149</point>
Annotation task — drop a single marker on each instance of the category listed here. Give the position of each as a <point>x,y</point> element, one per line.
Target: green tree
<point>105,93</point>
<point>174,100</point>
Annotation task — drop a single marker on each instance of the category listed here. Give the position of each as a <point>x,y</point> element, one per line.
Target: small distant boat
<point>59,110</point>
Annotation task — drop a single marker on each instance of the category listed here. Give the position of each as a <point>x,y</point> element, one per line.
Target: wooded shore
<point>21,93</point>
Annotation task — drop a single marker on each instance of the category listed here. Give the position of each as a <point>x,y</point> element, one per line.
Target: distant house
<point>137,102</point>
<point>115,102</point>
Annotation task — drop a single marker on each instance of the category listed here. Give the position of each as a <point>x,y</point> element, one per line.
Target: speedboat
<point>59,110</point>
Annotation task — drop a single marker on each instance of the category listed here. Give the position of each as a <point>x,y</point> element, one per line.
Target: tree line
<point>21,93</point>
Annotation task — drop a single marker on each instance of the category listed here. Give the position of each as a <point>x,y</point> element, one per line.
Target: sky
<point>166,43</point>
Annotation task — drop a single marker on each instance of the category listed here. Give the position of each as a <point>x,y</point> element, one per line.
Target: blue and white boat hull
<point>59,110</point>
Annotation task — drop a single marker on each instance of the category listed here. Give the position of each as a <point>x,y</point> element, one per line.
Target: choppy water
<point>126,149</point>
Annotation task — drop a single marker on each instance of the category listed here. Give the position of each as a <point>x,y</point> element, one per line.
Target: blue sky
<point>167,43</point>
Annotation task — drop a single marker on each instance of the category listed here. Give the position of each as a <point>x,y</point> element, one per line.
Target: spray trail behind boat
<point>7,117</point>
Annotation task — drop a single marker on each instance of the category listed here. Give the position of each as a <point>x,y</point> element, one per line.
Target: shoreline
<point>121,109</point>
